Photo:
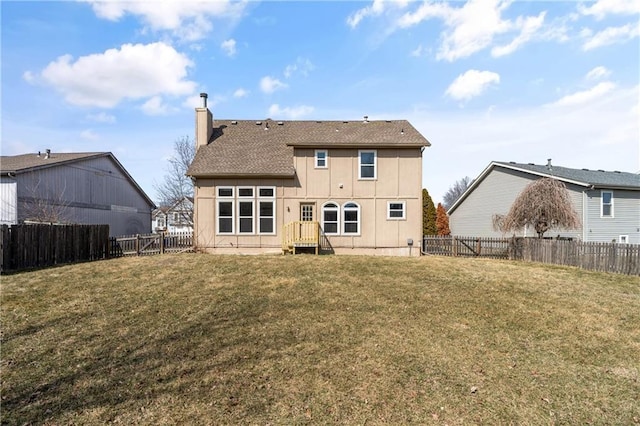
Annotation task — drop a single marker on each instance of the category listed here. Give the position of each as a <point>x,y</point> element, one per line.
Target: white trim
<point>375,164</point>
<point>326,159</point>
<point>338,213</point>
<point>272,217</point>
<point>625,238</point>
<point>602,192</point>
<point>346,208</point>
<point>404,210</point>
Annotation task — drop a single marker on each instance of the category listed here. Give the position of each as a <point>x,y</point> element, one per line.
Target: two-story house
<point>177,217</point>
<point>607,202</point>
<point>347,186</point>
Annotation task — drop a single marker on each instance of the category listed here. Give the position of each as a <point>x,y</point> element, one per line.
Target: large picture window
<point>351,218</point>
<point>367,161</point>
<point>607,204</point>
<point>246,210</point>
<point>330,215</point>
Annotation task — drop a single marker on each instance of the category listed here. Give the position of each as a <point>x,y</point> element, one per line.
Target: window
<point>623,239</point>
<point>351,218</point>
<point>330,218</point>
<point>607,204</point>
<point>245,216</point>
<point>321,158</point>
<point>396,210</point>
<point>161,222</point>
<point>306,212</point>
<point>225,192</point>
<point>225,217</point>
<point>367,164</point>
<point>176,217</point>
<point>244,192</point>
<point>266,210</point>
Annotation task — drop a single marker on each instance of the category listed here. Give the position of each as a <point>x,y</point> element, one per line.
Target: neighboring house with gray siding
<point>83,188</point>
<point>607,202</point>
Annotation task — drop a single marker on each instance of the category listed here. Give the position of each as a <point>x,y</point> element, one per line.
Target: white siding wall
<point>8,201</point>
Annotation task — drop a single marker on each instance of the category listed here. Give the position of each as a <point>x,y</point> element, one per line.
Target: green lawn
<point>204,339</point>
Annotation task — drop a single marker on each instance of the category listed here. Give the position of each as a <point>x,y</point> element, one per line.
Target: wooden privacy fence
<point>150,244</point>
<point>497,248</point>
<point>41,245</point>
<point>606,257</point>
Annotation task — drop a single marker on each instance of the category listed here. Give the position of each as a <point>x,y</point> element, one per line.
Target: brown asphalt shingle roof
<point>244,147</point>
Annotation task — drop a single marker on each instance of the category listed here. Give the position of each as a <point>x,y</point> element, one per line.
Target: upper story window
<point>245,192</point>
<point>321,159</point>
<point>367,161</point>
<point>607,204</point>
<point>396,210</point>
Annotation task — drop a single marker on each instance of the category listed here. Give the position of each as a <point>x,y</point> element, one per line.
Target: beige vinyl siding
<point>625,220</point>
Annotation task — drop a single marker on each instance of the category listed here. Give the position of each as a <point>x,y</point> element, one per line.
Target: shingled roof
<point>28,162</point>
<point>585,177</point>
<point>265,147</point>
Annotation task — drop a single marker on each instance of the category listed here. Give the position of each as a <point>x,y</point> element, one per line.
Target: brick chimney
<point>204,123</point>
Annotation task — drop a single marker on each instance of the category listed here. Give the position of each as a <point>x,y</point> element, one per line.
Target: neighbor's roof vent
<point>47,154</point>
<point>366,118</point>
<point>234,122</point>
<point>258,123</point>
<point>280,123</point>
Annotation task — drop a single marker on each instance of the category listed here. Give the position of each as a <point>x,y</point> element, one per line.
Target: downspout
<point>585,216</point>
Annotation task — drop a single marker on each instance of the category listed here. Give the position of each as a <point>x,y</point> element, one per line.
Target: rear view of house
<point>607,202</point>
<point>82,188</point>
<point>347,186</point>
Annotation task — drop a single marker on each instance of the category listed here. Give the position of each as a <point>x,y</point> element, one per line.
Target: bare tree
<point>544,204</point>
<point>455,191</point>
<point>46,203</point>
<point>176,184</point>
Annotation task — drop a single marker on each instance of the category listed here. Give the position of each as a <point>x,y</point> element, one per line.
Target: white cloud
<point>186,20</point>
<point>528,28</point>
<point>131,72</point>
<point>585,96</point>
<point>229,47</point>
<point>597,73</point>
<point>611,35</point>
<point>417,52</point>
<point>89,134</point>
<point>602,8</point>
<point>29,77</point>
<point>377,8</point>
<point>156,106</point>
<point>471,84</point>
<point>269,84</point>
<point>240,93</point>
<point>291,113</point>
<point>102,117</point>
<point>302,66</point>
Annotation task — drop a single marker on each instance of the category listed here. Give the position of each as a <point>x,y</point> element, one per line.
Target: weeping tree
<point>442,221</point>
<point>543,204</point>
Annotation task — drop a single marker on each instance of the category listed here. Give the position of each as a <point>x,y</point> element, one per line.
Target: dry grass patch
<point>313,340</point>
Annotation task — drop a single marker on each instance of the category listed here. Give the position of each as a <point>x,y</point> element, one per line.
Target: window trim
<point>245,197</point>
<point>268,197</point>
<point>623,237</point>
<point>337,222</point>
<point>404,210</point>
<point>253,215</point>
<point>233,218</point>
<point>346,207</point>
<point>225,196</point>
<point>260,217</point>
<point>375,164</point>
<point>326,159</point>
<point>602,204</point>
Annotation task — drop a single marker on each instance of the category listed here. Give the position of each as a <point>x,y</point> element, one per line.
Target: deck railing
<point>300,234</point>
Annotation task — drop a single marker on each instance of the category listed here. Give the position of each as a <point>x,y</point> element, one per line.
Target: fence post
<point>137,244</point>
<point>454,242</point>
<point>161,242</point>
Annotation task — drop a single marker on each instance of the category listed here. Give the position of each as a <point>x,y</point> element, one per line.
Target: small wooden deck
<point>299,234</point>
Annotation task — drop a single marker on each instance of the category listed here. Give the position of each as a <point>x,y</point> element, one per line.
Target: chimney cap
<point>204,95</point>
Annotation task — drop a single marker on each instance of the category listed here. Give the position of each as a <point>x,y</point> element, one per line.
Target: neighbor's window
<point>225,217</point>
<point>321,157</point>
<point>330,218</point>
<point>607,204</point>
<point>367,164</point>
<point>161,223</point>
<point>351,218</point>
<point>623,239</point>
<point>396,210</point>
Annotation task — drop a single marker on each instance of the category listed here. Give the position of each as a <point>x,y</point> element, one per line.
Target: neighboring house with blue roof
<point>608,202</point>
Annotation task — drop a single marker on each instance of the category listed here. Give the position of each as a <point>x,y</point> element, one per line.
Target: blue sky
<point>482,80</point>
